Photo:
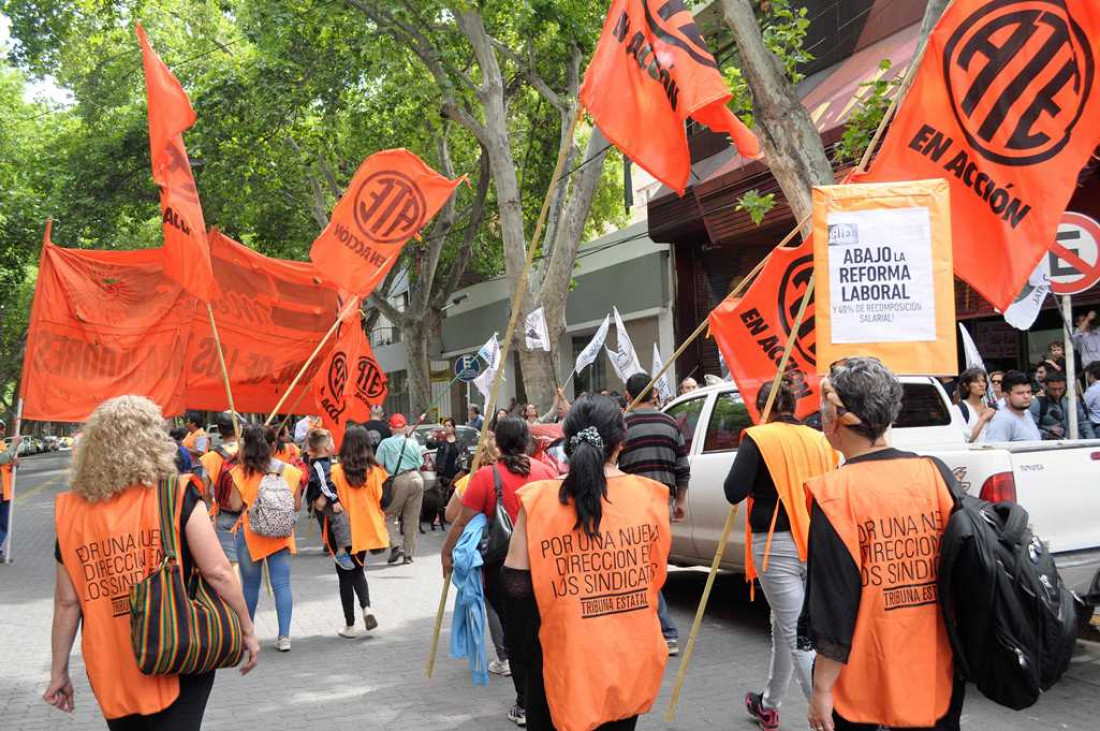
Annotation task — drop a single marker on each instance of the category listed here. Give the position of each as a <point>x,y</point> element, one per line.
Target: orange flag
<point>651,71</point>
<point>104,324</point>
<point>391,197</point>
<point>1005,106</point>
<point>350,380</point>
<point>752,331</point>
<point>187,258</point>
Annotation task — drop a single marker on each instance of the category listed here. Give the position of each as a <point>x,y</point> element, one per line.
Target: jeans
<point>496,632</point>
<point>278,566</point>
<point>784,585</point>
<point>408,496</point>
<point>5,507</point>
<point>668,629</point>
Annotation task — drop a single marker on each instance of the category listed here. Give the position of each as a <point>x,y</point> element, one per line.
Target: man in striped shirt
<point>655,448</point>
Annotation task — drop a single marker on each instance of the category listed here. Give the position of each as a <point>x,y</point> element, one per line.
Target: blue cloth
<point>183,460</point>
<point>468,627</point>
<point>278,566</point>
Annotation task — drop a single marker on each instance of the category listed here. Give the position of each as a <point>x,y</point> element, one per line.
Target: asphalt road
<point>379,683</point>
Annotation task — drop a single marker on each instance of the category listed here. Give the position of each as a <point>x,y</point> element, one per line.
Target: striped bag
<point>180,628</point>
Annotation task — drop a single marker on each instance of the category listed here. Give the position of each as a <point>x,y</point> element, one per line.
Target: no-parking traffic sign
<point>1074,257</point>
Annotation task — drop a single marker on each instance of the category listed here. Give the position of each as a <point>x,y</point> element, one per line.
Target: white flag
<point>538,337</point>
<point>974,360</point>
<point>588,356</point>
<point>623,359</point>
<point>664,385</point>
<point>490,353</point>
<point>1023,311</point>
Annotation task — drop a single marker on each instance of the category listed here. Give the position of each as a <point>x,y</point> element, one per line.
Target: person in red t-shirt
<point>516,469</point>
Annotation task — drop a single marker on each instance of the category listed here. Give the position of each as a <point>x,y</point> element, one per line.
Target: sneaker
<point>500,667</point>
<point>396,555</point>
<point>406,560</point>
<point>518,716</point>
<point>368,619</point>
<point>344,561</point>
<point>349,633</point>
<point>283,644</point>
<point>673,648</point>
<point>766,718</point>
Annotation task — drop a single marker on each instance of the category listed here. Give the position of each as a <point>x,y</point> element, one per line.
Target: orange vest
<point>793,454</point>
<point>891,514</point>
<point>6,474</point>
<point>191,438</point>
<point>260,547</point>
<point>107,547</point>
<point>601,640</point>
<point>289,452</point>
<point>364,508</point>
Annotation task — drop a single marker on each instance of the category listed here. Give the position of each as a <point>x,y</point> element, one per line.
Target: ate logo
<point>1019,73</point>
<point>370,381</point>
<point>795,280</point>
<point>338,375</point>
<point>389,207</point>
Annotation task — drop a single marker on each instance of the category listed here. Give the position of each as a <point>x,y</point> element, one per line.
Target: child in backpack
<point>321,494</point>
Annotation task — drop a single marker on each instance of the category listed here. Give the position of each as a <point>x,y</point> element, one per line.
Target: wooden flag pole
<point>517,298</point>
<point>6,547</point>
<point>293,406</point>
<point>225,372</point>
<point>671,716</point>
<point>309,361</point>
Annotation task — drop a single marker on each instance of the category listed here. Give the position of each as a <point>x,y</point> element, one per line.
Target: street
<point>378,683</point>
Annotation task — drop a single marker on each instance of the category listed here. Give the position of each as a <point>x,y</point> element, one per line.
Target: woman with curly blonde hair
<point>108,530</point>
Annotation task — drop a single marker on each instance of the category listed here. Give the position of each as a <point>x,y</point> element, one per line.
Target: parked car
<point>52,443</point>
<point>66,443</point>
<point>430,435</point>
<point>1056,481</point>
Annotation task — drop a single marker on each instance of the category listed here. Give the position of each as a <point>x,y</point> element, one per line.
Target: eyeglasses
<point>996,380</point>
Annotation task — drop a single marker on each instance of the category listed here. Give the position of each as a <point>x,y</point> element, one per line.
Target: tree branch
<point>444,222</point>
<point>527,69</point>
<point>469,238</point>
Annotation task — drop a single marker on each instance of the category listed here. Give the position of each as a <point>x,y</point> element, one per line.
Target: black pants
<point>949,722</point>
<point>183,715</point>
<point>353,583</point>
<point>494,594</point>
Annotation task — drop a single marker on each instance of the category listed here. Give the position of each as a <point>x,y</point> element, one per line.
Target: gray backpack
<point>272,513</point>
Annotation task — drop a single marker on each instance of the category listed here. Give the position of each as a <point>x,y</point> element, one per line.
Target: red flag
<point>104,324</point>
<point>393,194</point>
<point>350,380</point>
<point>187,257</point>
<point>752,331</point>
<point>651,71</point>
<point>1005,106</point>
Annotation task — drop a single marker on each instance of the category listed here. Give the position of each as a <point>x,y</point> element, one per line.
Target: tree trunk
<point>793,145</point>
<point>417,332</point>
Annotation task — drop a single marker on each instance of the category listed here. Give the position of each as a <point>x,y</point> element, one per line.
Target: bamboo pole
<point>517,299</point>
<point>225,371</point>
<point>671,716</point>
<point>309,361</point>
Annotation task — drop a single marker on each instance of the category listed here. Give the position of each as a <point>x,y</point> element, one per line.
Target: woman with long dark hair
<point>256,462</point>
<point>513,470</point>
<point>589,635</point>
<point>358,479</point>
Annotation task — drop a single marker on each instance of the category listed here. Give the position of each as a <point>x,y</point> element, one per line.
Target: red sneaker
<point>766,718</point>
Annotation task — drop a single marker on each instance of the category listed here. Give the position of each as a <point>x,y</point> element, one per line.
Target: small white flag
<point>1024,310</point>
<point>490,353</point>
<point>974,360</point>
<point>538,336</point>
<point>664,383</point>
<point>588,356</point>
<point>623,359</point>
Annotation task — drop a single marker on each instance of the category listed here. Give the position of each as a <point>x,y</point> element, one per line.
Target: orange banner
<point>104,324</point>
<point>1005,106</point>
<point>271,315</point>
<point>350,380</point>
<point>392,196</point>
<point>650,72</point>
<point>752,331</point>
<point>187,258</point>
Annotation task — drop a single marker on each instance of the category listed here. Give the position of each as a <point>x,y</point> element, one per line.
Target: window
<point>397,400</point>
<point>592,379</point>
<point>922,405</point>
<point>727,422</point>
<point>686,414</point>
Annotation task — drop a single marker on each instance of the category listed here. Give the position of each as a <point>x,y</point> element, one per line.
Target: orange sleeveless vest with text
<point>603,653</point>
<point>364,508</point>
<point>5,475</point>
<point>793,454</point>
<point>891,514</point>
<point>107,547</point>
<point>260,547</point>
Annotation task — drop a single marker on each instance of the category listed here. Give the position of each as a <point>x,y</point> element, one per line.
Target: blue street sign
<point>467,368</point>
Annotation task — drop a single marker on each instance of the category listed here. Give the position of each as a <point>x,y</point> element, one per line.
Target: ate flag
<point>187,257</point>
<point>1005,106</point>
<point>650,72</point>
<point>271,315</point>
<point>103,324</point>
<point>752,331</point>
<point>349,380</point>
<point>391,197</point>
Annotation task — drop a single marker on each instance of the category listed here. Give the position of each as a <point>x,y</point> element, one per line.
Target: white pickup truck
<point>1057,482</point>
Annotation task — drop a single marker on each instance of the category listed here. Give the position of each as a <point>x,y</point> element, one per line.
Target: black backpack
<point>1011,621</point>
